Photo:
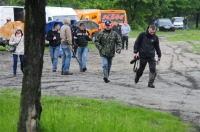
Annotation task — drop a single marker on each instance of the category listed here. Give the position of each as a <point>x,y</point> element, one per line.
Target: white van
<point>59,13</point>
<point>15,13</point>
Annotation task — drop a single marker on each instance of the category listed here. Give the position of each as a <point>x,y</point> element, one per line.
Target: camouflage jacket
<point>108,42</point>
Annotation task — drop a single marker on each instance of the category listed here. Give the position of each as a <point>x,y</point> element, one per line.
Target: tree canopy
<point>140,12</point>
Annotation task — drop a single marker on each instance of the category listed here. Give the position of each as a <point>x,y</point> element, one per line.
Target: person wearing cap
<point>7,20</point>
<point>108,42</point>
<point>18,40</point>
<point>125,33</point>
<point>82,36</point>
<point>146,44</point>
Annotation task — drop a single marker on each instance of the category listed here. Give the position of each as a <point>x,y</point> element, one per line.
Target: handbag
<point>14,47</point>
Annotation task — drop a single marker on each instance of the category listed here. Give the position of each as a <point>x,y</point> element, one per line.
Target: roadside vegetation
<point>191,35</point>
<point>63,113</point>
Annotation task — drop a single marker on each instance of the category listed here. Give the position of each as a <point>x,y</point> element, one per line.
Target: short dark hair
<point>55,24</point>
<point>81,24</point>
<point>152,27</point>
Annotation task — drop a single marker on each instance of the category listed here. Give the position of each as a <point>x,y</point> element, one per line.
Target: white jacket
<point>20,47</point>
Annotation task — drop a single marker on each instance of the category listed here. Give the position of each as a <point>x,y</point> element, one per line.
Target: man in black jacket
<point>117,28</point>
<point>53,36</point>
<point>82,37</point>
<point>145,47</point>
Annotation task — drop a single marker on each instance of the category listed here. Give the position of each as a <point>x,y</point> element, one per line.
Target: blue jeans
<point>82,56</point>
<point>54,52</point>
<point>185,27</point>
<point>15,60</point>
<point>107,63</point>
<point>66,60</point>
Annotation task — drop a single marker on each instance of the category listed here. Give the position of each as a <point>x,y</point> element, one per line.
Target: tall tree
<point>30,106</point>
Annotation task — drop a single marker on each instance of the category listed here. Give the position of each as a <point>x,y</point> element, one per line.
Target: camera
<point>134,60</point>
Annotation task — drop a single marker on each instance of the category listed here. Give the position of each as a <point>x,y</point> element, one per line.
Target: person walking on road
<point>18,40</point>
<point>146,44</point>
<point>82,36</point>
<point>53,36</point>
<point>125,33</point>
<point>117,28</point>
<point>66,44</point>
<point>108,42</point>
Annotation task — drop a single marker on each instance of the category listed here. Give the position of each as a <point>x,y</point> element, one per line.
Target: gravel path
<point>177,84</point>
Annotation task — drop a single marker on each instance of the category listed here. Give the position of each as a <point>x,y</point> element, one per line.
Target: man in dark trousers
<point>117,28</point>
<point>145,47</point>
<point>53,36</point>
<point>108,42</point>
<point>82,36</point>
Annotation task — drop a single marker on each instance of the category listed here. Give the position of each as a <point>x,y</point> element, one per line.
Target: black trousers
<point>143,63</point>
<point>124,38</point>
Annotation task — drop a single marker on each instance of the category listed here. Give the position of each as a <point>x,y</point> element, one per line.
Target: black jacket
<point>50,36</point>
<point>82,37</point>
<point>147,44</point>
<point>117,28</point>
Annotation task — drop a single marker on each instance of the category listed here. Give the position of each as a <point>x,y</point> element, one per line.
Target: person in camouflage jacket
<point>108,42</point>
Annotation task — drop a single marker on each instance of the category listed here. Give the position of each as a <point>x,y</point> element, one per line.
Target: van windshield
<point>119,17</point>
<point>61,18</point>
<point>165,22</point>
<point>178,19</point>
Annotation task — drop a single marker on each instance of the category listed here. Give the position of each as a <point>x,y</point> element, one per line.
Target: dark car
<point>164,24</point>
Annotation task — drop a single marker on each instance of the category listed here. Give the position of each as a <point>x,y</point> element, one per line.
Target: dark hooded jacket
<point>147,44</point>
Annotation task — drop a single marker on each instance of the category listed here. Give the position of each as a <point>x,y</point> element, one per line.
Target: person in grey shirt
<point>125,33</point>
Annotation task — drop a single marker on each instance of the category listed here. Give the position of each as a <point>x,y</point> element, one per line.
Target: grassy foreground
<point>191,35</point>
<point>196,48</point>
<point>72,114</point>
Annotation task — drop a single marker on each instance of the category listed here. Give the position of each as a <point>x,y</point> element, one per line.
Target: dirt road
<point>177,84</point>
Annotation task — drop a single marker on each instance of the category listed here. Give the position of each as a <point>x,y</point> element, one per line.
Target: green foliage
<point>62,114</point>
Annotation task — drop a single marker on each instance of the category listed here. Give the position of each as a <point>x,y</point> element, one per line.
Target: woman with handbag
<point>17,48</point>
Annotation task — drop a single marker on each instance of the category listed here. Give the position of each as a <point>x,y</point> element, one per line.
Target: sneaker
<point>136,78</point>
<point>67,73</point>
<point>150,85</point>
<point>84,69</point>
<point>106,80</point>
<point>54,70</point>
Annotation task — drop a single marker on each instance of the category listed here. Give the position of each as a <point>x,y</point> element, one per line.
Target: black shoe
<point>136,78</point>
<point>54,70</point>
<point>84,69</point>
<point>106,80</point>
<point>67,73</point>
<point>59,56</point>
<point>150,85</point>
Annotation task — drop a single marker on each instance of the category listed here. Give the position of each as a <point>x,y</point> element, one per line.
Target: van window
<point>119,17</point>
<point>61,18</point>
<point>49,19</point>
<point>19,14</point>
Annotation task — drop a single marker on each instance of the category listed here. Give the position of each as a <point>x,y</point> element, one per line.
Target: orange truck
<point>100,16</point>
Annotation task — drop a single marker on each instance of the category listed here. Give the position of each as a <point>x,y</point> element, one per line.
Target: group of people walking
<point>108,42</point>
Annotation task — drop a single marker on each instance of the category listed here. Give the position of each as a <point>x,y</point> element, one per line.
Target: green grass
<point>72,114</point>
<point>191,35</point>
<point>2,48</point>
<point>196,48</point>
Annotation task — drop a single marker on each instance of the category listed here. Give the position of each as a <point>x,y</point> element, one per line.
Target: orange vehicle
<point>100,16</point>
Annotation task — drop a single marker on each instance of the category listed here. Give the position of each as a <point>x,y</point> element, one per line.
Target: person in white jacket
<point>18,40</point>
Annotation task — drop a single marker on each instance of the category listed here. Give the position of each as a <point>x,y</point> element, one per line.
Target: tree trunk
<point>30,106</point>
<point>197,19</point>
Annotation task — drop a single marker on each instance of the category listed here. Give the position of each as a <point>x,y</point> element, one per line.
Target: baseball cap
<point>108,23</point>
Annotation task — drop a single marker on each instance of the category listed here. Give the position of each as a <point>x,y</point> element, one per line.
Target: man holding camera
<point>108,42</point>
<point>145,47</point>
